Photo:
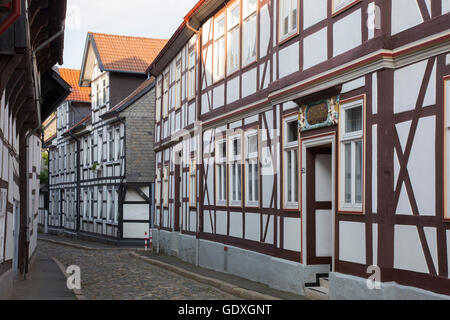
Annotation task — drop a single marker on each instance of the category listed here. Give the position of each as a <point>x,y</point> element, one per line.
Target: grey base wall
<point>6,284</point>
<point>346,287</point>
<point>276,273</point>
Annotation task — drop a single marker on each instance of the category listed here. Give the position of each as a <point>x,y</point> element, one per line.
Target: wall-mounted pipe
<point>16,11</point>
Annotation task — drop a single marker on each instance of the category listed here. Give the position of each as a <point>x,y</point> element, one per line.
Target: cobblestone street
<point>110,274</point>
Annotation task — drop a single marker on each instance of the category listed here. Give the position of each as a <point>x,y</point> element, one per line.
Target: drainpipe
<point>197,240</point>
<point>15,14</point>
<point>37,94</point>
<point>78,180</point>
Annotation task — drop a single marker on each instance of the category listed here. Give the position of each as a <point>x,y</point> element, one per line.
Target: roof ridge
<point>125,36</point>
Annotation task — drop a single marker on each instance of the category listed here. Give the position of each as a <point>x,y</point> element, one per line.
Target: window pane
<point>293,15</point>
<point>233,17</point>
<point>353,120</point>
<point>233,50</point>
<point>239,182</point>
<point>219,28</point>
<point>359,172</point>
<point>252,144</point>
<point>249,181</point>
<point>249,7</point>
<point>295,186</point>
<point>249,41</point>
<point>348,173</point>
<point>289,176</point>
<point>256,188</point>
<point>291,131</point>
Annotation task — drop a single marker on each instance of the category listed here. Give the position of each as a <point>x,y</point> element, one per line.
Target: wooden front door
<point>319,205</point>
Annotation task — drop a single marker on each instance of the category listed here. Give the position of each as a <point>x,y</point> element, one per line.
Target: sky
<point>141,18</point>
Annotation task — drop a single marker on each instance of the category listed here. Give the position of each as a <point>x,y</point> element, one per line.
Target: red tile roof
<point>72,76</point>
<point>124,53</point>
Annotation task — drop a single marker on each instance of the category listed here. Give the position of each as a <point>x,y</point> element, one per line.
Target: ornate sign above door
<point>320,114</point>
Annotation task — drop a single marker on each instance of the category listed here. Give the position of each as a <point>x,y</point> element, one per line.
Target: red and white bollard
<point>151,240</point>
<point>146,241</point>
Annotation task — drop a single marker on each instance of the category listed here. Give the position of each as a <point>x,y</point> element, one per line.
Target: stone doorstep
<point>323,282</point>
<point>317,293</point>
<point>221,285</point>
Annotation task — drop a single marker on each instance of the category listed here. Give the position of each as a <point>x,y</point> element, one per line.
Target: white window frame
<point>221,173</point>
<point>192,183</point>
<point>100,148</point>
<point>111,144</point>
<point>252,177</point>
<point>288,5</point>
<point>165,192</point>
<point>219,55</point>
<point>447,148</point>
<point>158,100</point>
<point>249,16</point>
<point>235,160</point>
<point>192,75</point>
<point>158,187</point>
<point>338,6</point>
<point>117,143</point>
<point>291,148</point>
<point>351,138</point>
<point>116,205</point>
<point>233,30</point>
<point>100,204</point>
<point>3,202</point>
<point>177,86</point>
<point>166,85</point>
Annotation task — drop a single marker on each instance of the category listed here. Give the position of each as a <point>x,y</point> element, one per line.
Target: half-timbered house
<point>31,43</point>
<point>300,139</point>
<point>111,198</point>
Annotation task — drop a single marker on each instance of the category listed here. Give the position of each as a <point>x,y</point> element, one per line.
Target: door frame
<point>306,143</point>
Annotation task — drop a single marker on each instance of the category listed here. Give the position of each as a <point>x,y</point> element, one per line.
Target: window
<point>117,144</point>
<point>3,193</point>
<point>447,148</point>
<point>92,151</point>
<point>249,31</point>
<point>191,74</point>
<point>252,168</point>
<point>233,41</point>
<point>235,176</point>
<point>166,96</point>
<point>178,86</point>
<point>340,5</point>
<point>193,183</point>
<point>116,206</point>
<point>99,97</point>
<point>91,213</point>
<point>221,172</point>
<point>288,18</point>
<point>85,204</point>
<point>351,155</point>
<point>158,187</point>
<point>110,201</point>
<point>290,163</point>
<point>100,204</point>
<point>100,148</point>
<point>85,152</point>
<point>110,145</point>
<point>105,91</point>
<point>219,47</point>
<point>165,190</point>
<point>158,100</point>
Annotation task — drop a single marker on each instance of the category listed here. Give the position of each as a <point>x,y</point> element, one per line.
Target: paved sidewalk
<point>45,281</point>
<point>177,263</point>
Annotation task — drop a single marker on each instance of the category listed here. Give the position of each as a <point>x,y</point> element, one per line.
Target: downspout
<point>122,196</point>
<point>37,94</point>
<point>197,238</point>
<point>78,180</point>
<point>12,18</point>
